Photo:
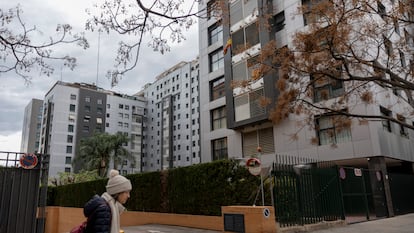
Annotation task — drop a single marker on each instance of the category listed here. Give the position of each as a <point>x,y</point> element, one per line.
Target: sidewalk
<point>155,228</point>
<point>398,224</point>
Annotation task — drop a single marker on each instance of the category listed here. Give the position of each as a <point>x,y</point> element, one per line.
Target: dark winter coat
<point>98,213</point>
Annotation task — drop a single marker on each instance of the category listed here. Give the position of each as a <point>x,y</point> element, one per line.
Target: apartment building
<point>72,111</point>
<point>234,124</point>
<point>31,126</point>
<point>171,125</point>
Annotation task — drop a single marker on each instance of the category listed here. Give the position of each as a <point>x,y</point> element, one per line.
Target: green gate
<point>306,192</point>
<point>363,194</point>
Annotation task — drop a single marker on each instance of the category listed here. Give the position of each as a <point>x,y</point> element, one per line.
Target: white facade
<point>31,126</point>
<point>63,120</point>
<point>124,114</point>
<point>172,118</point>
<point>362,141</point>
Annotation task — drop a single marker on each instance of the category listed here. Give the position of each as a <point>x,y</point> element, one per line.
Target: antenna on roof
<point>97,63</point>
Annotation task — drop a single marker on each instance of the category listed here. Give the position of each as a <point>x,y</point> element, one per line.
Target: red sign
<point>28,161</point>
<point>253,165</point>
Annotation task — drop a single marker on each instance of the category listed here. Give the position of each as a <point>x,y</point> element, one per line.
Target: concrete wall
<point>63,219</point>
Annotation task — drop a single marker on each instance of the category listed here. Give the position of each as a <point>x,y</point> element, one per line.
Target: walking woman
<point>103,212</point>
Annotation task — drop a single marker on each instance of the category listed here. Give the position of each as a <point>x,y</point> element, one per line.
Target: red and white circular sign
<point>28,161</point>
<point>254,166</point>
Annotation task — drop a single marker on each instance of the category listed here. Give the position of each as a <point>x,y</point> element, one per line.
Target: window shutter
<point>249,144</point>
<point>266,141</point>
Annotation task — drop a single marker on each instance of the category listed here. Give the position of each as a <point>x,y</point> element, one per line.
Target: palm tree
<point>120,153</point>
<point>97,151</point>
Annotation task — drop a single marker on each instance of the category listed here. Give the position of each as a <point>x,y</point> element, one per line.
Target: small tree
<point>71,178</point>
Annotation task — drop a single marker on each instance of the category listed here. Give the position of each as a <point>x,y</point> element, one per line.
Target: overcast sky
<point>15,94</point>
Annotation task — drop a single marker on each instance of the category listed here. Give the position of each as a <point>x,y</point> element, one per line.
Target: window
<point>72,107</point>
<point>87,108</point>
<point>73,97</point>
<point>381,10</point>
<point>325,87</point>
<point>72,118</point>
<point>126,107</point>
<point>388,46</point>
<point>245,38</point>
<point>402,59</point>
<point>396,90</point>
<point>70,128</point>
<point>248,105</point>
<point>217,88</point>
<point>67,169</point>
<point>98,120</point>
<point>333,129</point>
<point>87,99</point>
<point>396,26</point>
<point>403,129</point>
<point>279,21</point>
<point>262,138</point>
<point>244,69</point>
<point>99,110</point>
<point>386,124</point>
<point>216,60</point>
<point>218,118</point>
<point>85,129</point>
<point>68,160</point>
<point>69,149</point>
<point>219,149</point>
<point>215,34</point>
<point>99,101</point>
<point>309,16</point>
<point>212,10</point>
<point>86,119</point>
<point>240,9</point>
<point>69,139</point>
<point>121,106</point>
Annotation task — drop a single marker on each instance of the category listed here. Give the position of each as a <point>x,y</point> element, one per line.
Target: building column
<point>378,164</point>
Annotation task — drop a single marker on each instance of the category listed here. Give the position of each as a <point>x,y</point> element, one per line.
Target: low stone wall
<point>63,219</point>
<point>257,219</point>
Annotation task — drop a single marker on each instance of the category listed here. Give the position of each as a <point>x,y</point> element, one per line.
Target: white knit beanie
<point>117,183</point>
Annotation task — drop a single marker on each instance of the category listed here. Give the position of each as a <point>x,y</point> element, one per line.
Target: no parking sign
<point>28,161</point>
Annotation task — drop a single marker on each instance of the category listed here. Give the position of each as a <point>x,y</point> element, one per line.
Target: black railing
<point>10,159</point>
<point>305,191</point>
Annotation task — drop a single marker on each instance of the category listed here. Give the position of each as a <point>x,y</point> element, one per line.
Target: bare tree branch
<point>162,21</point>
<point>20,54</point>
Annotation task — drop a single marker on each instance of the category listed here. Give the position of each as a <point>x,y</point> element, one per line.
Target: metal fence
<point>306,191</point>
<point>402,192</point>
<point>20,192</point>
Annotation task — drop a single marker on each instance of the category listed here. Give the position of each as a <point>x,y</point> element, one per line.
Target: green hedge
<point>199,189</point>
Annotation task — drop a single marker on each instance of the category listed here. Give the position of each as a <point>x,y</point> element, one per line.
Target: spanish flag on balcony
<point>227,46</point>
